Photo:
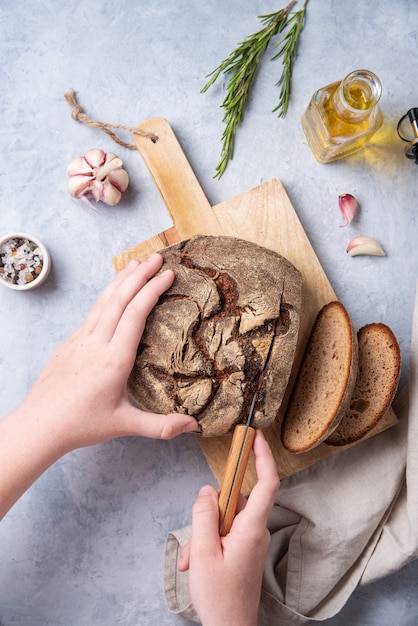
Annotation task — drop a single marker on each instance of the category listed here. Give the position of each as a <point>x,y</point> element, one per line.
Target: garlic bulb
<point>364,245</point>
<point>99,175</point>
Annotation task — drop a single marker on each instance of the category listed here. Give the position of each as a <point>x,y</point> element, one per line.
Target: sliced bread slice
<point>325,380</point>
<point>377,382</point>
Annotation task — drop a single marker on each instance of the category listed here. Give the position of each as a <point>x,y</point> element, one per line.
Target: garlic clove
<point>96,190</point>
<point>366,246</point>
<point>79,185</point>
<point>110,194</point>
<point>348,207</point>
<point>79,166</point>
<point>95,157</point>
<point>110,156</point>
<point>119,179</point>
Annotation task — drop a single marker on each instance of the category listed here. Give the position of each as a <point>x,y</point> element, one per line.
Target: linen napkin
<point>346,521</point>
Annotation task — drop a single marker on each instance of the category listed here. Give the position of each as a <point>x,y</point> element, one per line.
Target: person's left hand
<point>82,390</point>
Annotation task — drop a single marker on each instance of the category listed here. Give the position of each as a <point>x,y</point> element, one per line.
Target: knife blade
<point>237,461</point>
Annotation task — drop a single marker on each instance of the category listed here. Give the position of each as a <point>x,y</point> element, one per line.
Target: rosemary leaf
<point>241,66</point>
<point>288,50</point>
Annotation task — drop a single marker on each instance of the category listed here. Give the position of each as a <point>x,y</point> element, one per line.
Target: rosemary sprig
<point>288,50</point>
<point>242,64</point>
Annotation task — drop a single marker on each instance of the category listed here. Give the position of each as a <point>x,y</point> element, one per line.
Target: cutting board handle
<point>185,200</point>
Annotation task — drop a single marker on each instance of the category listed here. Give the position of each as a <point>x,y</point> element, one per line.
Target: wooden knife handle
<point>236,464</point>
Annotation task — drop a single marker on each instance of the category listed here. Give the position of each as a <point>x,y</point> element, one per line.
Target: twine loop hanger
<point>78,114</point>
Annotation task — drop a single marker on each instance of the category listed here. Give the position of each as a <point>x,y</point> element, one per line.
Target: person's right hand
<point>225,573</point>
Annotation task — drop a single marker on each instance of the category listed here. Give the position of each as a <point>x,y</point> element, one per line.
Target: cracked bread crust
<point>206,341</point>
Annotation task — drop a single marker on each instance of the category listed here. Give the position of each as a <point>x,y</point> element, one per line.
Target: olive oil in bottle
<point>341,117</point>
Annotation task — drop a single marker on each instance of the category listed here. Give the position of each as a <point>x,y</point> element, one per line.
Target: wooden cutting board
<point>262,215</point>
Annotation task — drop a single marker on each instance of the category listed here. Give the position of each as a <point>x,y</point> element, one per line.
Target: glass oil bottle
<point>342,117</point>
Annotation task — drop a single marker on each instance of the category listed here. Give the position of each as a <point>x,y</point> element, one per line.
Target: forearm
<point>28,447</point>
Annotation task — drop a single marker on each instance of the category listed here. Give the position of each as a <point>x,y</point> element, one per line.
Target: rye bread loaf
<point>207,340</point>
<point>376,385</point>
<point>325,380</point>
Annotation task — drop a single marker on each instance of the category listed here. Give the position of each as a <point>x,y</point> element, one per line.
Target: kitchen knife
<point>236,464</point>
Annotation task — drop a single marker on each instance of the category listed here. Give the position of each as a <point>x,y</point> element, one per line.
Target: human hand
<point>82,390</point>
<point>225,573</point>
<point>81,398</point>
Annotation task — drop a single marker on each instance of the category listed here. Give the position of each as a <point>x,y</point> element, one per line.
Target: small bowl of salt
<point>24,261</point>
